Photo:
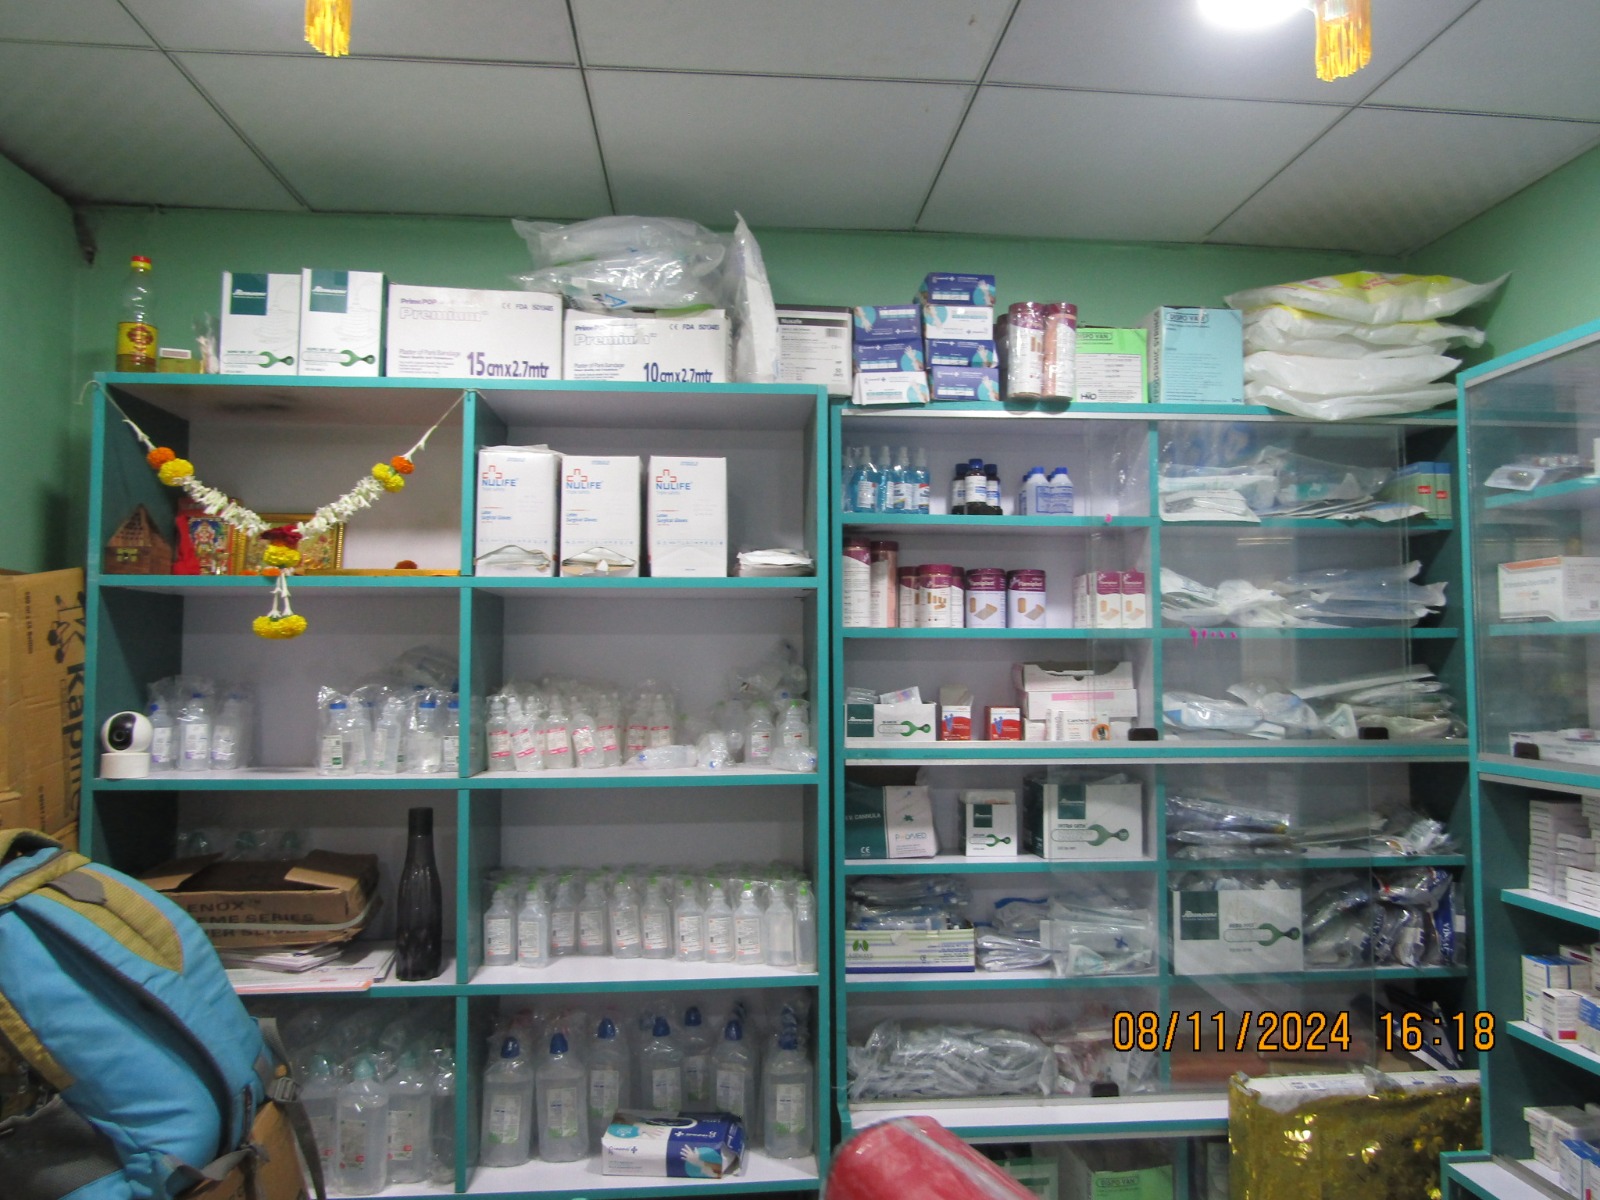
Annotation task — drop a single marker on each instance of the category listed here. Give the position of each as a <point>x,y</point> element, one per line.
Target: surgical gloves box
<point>464,333</point>
<point>688,517</point>
<point>341,323</point>
<point>600,516</point>
<point>515,533</point>
<point>1074,820</point>
<point>260,328</point>
<point>686,1146</point>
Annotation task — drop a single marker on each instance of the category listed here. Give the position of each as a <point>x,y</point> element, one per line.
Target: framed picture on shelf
<point>211,539</point>
<point>321,552</point>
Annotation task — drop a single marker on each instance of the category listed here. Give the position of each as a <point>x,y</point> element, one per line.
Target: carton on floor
<point>42,630</point>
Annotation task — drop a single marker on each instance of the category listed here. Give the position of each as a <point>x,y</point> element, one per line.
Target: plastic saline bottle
<point>507,1108</point>
<point>363,1119</point>
<point>661,1071</point>
<point>563,1095</point>
<point>786,1084</point>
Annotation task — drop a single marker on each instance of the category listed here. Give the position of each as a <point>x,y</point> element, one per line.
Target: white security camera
<point>125,738</point>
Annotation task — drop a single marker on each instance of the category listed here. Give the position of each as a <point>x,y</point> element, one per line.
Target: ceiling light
<point>1248,15</point>
<point>1344,37</point>
<point>328,26</point>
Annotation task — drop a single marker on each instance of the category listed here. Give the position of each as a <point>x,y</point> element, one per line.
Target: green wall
<point>39,529</point>
<point>1548,237</point>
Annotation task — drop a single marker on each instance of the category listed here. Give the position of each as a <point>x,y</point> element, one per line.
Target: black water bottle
<point>419,914</point>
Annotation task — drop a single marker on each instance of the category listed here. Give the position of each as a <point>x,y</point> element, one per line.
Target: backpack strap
<point>17,842</point>
<point>285,1089</point>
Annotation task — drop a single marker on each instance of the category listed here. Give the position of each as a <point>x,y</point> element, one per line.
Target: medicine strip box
<point>463,333</point>
<point>260,332</point>
<point>688,517</point>
<point>341,323</point>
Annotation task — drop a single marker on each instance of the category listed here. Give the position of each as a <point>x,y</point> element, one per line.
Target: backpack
<point>114,997</point>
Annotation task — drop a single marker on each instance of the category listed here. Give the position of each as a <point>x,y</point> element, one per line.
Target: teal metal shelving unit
<point>1526,676</point>
<point>144,627</point>
<point>1126,444</point>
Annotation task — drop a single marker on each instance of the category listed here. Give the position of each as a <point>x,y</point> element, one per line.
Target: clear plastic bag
<point>1369,375</point>
<point>1372,297</point>
<point>910,1060</point>
<point>621,263</point>
<point>1295,331</point>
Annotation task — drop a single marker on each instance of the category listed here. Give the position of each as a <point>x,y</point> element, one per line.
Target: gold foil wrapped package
<point>1369,1136</point>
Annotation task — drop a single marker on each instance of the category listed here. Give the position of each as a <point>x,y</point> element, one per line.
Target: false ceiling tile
<point>1386,181</point>
<point>87,144</point>
<point>498,30</point>
<point>1531,57</point>
<point>90,22</point>
<point>385,136</point>
<point>887,39</point>
<point>836,154</point>
<point>1165,47</point>
<point>1089,165</point>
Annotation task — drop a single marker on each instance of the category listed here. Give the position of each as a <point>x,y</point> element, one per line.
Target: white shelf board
<point>757,1171</point>
<point>1065,1117</point>
<point>576,971</point>
<point>1492,1178</point>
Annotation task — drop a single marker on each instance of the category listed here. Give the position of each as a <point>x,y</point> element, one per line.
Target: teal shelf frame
<point>1568,493</point>
<point>119,666</point>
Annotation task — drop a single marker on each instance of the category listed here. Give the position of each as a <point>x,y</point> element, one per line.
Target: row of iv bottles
<point>782,935</point>
<point>420,734</point>
<point>193,731</point>
<point>372,1132</point>
<point>884,482</point>
<point>570,1102</point>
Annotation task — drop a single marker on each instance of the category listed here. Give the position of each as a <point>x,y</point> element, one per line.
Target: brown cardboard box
<point>325,897</point>
<point>278,1173</point>
<point>41,698</point>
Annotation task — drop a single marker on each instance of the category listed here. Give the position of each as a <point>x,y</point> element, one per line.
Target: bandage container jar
<point>1025,349</point>
<point>883,584</point>
<point>855,582</point>
<point>1025,600</point>
<point>1060,345</point>
<point>935,592</point>
<point>986,598</point>
<point>906,594</point>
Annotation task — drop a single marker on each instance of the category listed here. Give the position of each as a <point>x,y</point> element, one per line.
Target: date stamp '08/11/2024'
<point>1290,1032</point>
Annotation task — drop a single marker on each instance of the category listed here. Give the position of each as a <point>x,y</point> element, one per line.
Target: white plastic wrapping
<point>1372,297</point>
<point>1309,375</point>
<point>1293,331</point>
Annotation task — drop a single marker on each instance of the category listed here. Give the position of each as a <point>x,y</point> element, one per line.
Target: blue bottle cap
<point>691,1015</point>
<point>733,1031</point>
<point>511,1048</point>
<point>788,1040</point>
<point>607,1030</point>
<point>558,1043</point>
<point>661,1029</point>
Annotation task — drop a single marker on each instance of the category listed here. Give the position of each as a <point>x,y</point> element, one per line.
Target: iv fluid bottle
<point>533,931</point>
<point>507,1108</point>
<point>719,928</point>
<point>500,931</point>
<point>563,1095</point>
<point>443,1118</point>
<point>320,1096</point>
<point>410,1121</point>
<point>194,734</point>
<point>163,737</point>
<point>425,738</point>
<point>786,1084</point>
<point>805,928</point>
<point>136,331</point>
<point>564,920</point>
<point>749,945</point>
<point>609,1092</point>
<point>733,1071</point>
<point>695,1039</point>
<point>661,1071</point>
<point>627,936</point>
<point>363,1120</point>
<point>689,925</point>
<point>655,919</point>
<point>779,931</point>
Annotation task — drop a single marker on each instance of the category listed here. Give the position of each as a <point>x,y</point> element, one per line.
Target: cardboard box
<point>942,287</point>
<point>1041,1176</point>
<point>1109,366</point>
<point>1135,602</point>
<point>687,503</point>
<point>1550,589</point>
<point>1196,355</point>
<point>274,1175</point>
<point>1097,694</point>
<point>892,354</point>
<point>42,633</point>
<point>691,1146</point>
<point>964,383</point>
<point>1540,972</point>
<point>341,323</point>
<point>600,516</point>
<point>691,349</point>
<point>886,322</point>
<point>515,532</point>
<point>466,333</point>
<point>1097,600</point>
<point>1004,723</point>
<point>955,713</point>
<point>944,352</point>
<point>259,333</point>
<point>1219,933</point>
<point>958,322</point>
<point>989,823</point>
<point>814,347</point>
<point>1076,821</point>
<point>1113,1172</point>
<point>1425,484</point>
<point>325,897</point>
<point>889,387</point>
<point>1558,1014</point>
<point>901,951</point>
<point>888,822</point>
<point>1558,745</point>
<point>905,722</point>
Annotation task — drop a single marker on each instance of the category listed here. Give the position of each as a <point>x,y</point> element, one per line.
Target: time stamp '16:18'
<point>1289,1032</point>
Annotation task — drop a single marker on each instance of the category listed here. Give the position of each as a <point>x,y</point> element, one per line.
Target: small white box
<point>687,515</point>
<point>1250,930</point>
<point>1135,605</point>
<point>958,322</point>
<point>907,722</point>
<point>516,512</point>
<point>341,322</point>
<point>990,825</point>
<point>260,326</point>
<point>814,347</point>
<point>464,333</point>
<point>1558,1013</point>
<point>889,387</point>
<point>1096,694</point>
<point>908,823</point>
<point>1070,820</point>
<point>1550,589</point>
<point>903,951</point>
<point>600,516</point>
<point>1097,600</point>
<point>692,349</point>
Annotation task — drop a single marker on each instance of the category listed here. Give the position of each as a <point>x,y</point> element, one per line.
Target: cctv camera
<point>126,737</point>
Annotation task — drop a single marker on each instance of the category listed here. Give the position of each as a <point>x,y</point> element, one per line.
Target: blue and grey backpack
<point>115,999</point>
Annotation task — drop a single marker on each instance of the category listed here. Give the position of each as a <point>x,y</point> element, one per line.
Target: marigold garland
<point>282,555</point>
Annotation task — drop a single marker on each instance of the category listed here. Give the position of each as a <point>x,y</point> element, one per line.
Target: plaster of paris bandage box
<point>341,323</point>
<point>689,349</point>
<point>600,516</point>
<point>1221,933</point>
<point>688,517</point>
<point>1073,820</point>
<point>260,326</point>
<point>462,333</point>
<point>691,1146</point>
<point>515,531</point>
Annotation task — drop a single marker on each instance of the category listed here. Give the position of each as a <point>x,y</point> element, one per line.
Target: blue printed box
<point>888,323</point>
<point>681,1146</point>
<point>964,383</point>
<point>958,322</point>
<point>1196,356</point>
<point>901,354</point>
<point>944,352</point>
<point>943,288</point>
